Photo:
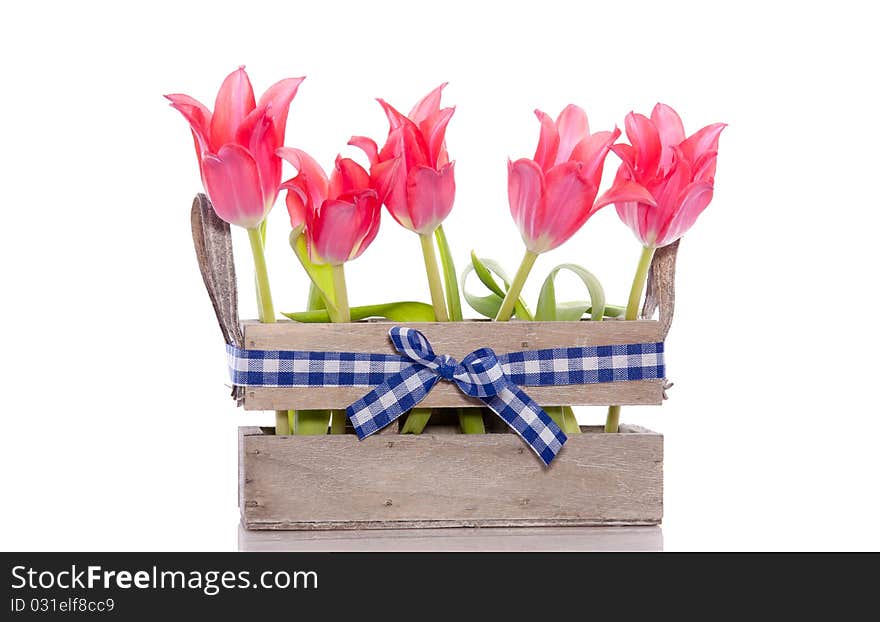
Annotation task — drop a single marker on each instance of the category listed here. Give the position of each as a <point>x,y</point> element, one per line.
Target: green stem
<point>343,316</point>
<point>343,313</point>
<point>434,282</point>
<point>417,418</point>
<point>264,294</point>
<point>312,422</point>
<point>337,422</point>
<point>470,420</point>
<point>638,286</point>
<point>265,308</point>
<point>516,287</point>
<point>612,419</point>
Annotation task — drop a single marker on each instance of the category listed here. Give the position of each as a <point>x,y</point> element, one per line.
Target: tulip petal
<point>340,230</point>
<point>235,101</point>
<point>573,127</point>
<point>566,205</point>
<point>670,129</point>
<point>625,191</point>
<point>592,151</point>
<point>198,116</point>
<point>430,194</point>
<point>386,179</point>
<point>667,191</point>
<point>691,203</point>
<point>232,182</point>
<point>525,187</point>
<point>371,213</point>
<point>277,100</point>
<point>435,136</point>
<point>314,179</point>
<point>256,134</point>
<point>646,141</point>
<point>548,142</point>
<point>702,141</point>
<point>395,117</point>
<point>296,200</point>
<point>627,155</point>
<point>331,231</point>
<point>368,146</point>
<point>427,106</point>
<point>348,176</point>
<point>704,167</point>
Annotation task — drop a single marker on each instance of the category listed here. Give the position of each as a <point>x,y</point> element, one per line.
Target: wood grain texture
<point>456,339</point>
<point>489,480</point>
<point>447,395</point>
<point>212,240</point>
<point>660,291</point>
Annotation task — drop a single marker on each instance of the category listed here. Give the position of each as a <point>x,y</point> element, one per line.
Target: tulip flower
<point>552,195</point>
<point>339,215</point>
<point>414,177</point>
<point>235,146</point>
<point>677,173</point>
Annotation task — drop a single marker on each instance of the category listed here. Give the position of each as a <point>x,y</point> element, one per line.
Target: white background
<point>117,429</point>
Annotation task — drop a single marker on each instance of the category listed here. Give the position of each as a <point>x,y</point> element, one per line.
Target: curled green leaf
<point>549,310</point>
<point>488,305</point>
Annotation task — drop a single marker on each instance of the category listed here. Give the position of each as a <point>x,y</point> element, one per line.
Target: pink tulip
<point>340,215</point>
<point>412,172</point>
<point>236,145</point>
<point>552,195</point>
<point>677,172</point>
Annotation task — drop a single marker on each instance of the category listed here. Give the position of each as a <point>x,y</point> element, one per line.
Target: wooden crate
<point>449,480</point>
<point>434,479</point>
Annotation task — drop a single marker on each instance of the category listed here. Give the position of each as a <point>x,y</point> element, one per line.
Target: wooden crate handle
<point>661,287</point>
<point>213,243</point>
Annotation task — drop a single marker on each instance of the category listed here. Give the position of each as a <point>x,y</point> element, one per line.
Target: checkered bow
<point>478,375</point>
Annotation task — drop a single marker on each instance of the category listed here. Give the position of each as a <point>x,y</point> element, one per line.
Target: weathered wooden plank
<point>456,339</point>
<point>447,395</point>
<point>490,480</point>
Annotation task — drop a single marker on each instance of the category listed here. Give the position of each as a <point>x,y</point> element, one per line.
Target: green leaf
<point>316,299</point>
<point>321,275</point>
<point>450,278</point>
<point>549,310</point>
<point>489,305</point>
<point>486,277</point>
<point>404,311</point>
<point>571,422</point>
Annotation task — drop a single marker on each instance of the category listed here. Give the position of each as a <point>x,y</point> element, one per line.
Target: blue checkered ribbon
<point>402,381</point>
